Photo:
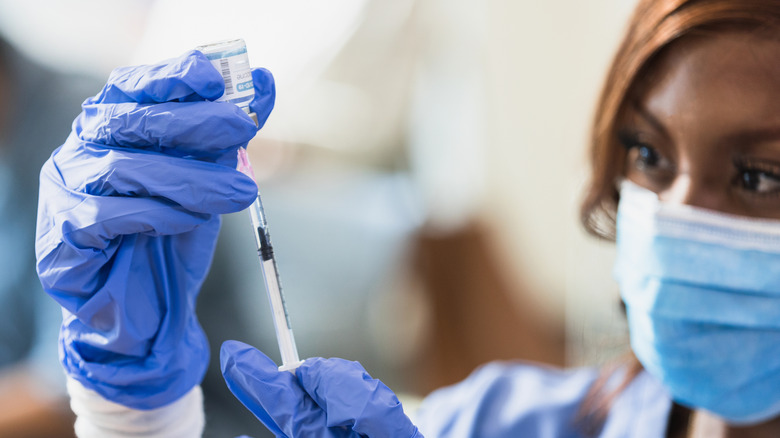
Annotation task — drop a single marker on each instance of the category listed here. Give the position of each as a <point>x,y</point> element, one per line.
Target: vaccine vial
<point>231,59</point>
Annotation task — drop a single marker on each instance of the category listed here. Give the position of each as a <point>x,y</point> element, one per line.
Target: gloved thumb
<point>265,95</point>
<point>352,398</point>
<point>273,396</point>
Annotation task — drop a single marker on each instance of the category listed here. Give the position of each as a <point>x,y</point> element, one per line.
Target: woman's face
<point>706,131</point>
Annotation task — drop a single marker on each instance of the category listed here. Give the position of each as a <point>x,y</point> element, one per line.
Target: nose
<point>686,190</point>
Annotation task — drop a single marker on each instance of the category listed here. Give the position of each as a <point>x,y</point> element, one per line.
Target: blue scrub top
<point>502,400</point>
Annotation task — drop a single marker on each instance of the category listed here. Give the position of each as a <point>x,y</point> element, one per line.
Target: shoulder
<point>640,410</point>
<point>504,399</point>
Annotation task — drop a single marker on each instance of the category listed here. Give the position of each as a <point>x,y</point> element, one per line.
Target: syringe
<point>230,58</point>
<point>284,333</point>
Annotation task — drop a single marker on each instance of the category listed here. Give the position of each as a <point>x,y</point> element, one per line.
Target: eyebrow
<point>649,118</point>
<point>755,136</point>
<point>748,136</point>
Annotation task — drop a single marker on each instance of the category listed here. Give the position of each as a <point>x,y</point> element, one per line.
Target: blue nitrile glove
<point>325,397</point>
<point>128,218</point>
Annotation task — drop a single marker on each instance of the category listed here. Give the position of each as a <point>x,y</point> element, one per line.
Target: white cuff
<point>100,418</point>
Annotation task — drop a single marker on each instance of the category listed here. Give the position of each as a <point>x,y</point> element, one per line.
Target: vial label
<point>231,59</point>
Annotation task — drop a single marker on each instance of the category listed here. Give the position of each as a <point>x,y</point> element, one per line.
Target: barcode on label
<point>225,67</point>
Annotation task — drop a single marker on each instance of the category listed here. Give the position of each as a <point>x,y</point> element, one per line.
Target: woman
<point>689,120</point>
<point>685,168</point>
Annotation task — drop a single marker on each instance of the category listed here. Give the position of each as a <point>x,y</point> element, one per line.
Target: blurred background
<point>421,175</point>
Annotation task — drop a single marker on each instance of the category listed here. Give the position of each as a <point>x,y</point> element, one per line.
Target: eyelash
<point>648,154</point>
<point>747,167</point>
<point>628,139</point>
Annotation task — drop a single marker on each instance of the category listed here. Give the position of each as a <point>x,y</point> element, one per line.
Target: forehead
<point>731,76</point>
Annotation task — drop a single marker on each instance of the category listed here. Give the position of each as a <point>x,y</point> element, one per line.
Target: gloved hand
<point>128,218</point>
<point>325,397</point>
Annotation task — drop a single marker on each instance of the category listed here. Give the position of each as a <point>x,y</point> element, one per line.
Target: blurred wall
<point>84,36</point>
<point>545,66</point>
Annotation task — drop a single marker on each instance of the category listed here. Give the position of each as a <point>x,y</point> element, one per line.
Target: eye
<point>645,157</point>
<point>760,177</point>
<point>645,160</point>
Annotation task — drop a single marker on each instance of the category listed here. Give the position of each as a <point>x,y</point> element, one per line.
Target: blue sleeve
<point>508,400</point>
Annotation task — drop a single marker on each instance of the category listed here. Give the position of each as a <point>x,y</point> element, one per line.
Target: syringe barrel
<point>284,332</point>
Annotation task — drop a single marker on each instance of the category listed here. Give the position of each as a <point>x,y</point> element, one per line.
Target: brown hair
<point>654,26</point>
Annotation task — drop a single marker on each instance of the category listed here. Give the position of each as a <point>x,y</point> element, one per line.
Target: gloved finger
<point>74,245</point>
<point>75,257</point>
<point>351,398</point>
<point>197,186</point>
<point>265,95</point>
<point>274,396</point>
<point>87,221</point>
<point>189,77</point>
<point>204,130</point>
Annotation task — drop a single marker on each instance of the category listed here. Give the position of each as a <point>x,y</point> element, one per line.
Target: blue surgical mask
<point>702,294</point>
